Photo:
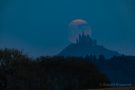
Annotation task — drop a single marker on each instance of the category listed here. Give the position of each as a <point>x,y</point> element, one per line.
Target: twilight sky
<point>40,27</point>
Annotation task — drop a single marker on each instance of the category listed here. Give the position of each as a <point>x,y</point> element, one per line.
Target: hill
<point>86,46</point>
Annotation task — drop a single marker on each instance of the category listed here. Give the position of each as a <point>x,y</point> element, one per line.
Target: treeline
<point>20,72</point>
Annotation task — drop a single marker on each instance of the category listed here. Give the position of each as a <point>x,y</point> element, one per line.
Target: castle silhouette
<point>86,39</point>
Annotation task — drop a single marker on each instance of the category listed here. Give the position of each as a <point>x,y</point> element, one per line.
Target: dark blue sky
<point>40,27</point>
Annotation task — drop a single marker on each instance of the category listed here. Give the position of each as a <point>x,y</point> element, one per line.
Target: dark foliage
<point>19,72</point>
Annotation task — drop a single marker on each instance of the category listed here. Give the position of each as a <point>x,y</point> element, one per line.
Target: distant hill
<point>86,46</point>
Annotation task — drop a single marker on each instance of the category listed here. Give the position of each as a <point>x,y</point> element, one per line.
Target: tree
<point>18,71</point>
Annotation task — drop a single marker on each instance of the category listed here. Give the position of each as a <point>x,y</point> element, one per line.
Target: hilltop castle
<point>86,39</point>
<point>84,46</point>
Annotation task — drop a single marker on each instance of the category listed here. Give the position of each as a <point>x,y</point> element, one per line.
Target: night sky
<point>40,27</point>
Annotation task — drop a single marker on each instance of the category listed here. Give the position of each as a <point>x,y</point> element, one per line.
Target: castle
<point>84,46</point>
<point>86,39</point>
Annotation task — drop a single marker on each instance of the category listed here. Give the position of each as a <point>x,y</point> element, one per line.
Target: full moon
<point>78,27</point>
<point>79,24</point>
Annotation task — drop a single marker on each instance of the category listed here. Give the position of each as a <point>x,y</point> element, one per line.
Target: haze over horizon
<point>41,27</point>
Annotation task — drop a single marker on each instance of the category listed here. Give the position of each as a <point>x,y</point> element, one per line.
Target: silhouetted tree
<point>18,71</point>
<point>72,73</point>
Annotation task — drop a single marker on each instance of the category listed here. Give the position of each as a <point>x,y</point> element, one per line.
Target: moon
<point>78,27</point>
<point>79,24</point>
